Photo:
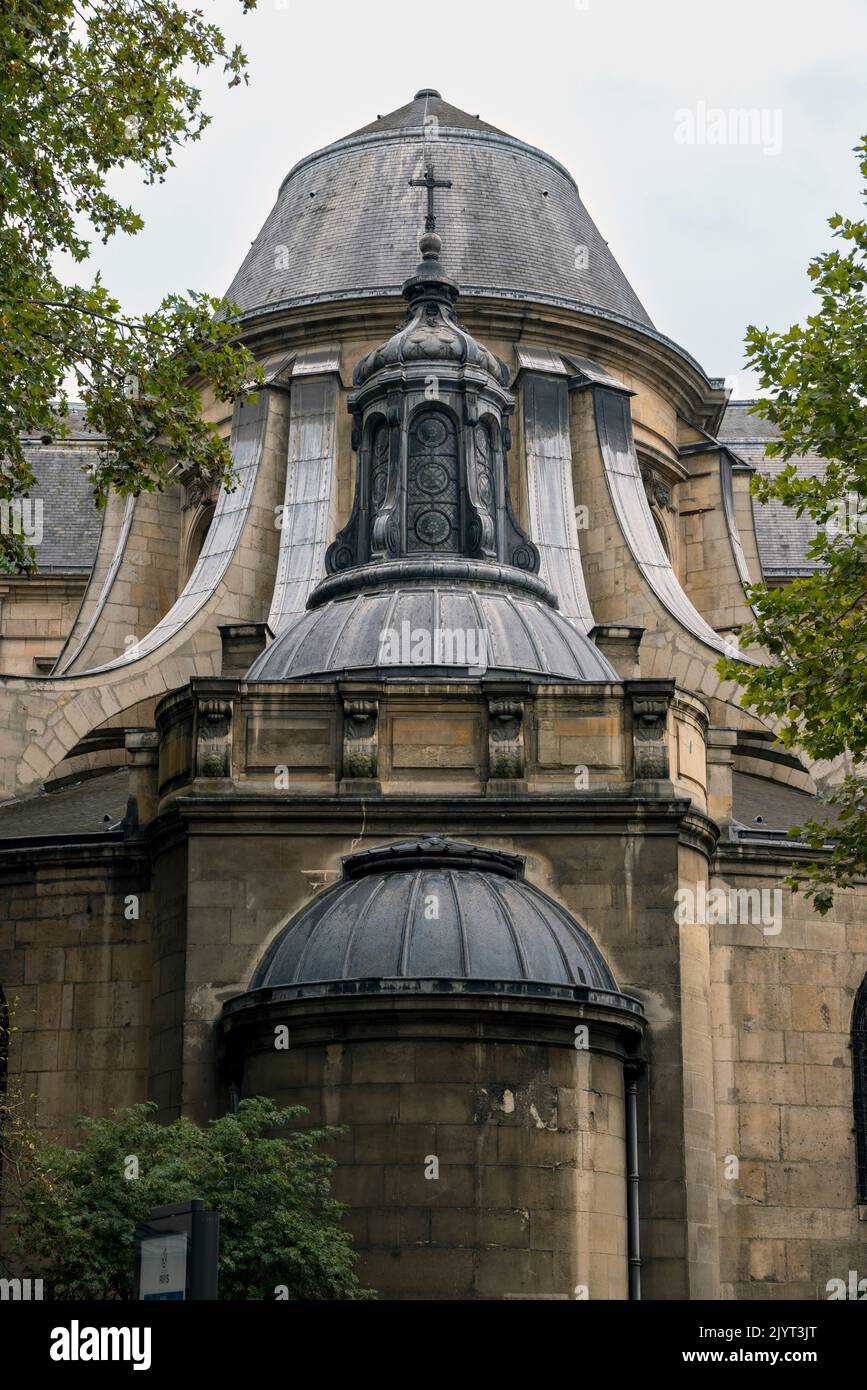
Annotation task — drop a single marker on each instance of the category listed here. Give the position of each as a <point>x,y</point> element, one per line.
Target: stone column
<point>485,1154</point>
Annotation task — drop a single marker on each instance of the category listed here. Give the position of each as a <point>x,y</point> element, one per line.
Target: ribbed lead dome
<point>433,910</point>
<point>453,621</point>
<point>346,220</point>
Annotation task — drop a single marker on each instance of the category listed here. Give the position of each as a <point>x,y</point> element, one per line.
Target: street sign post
<point>176,1252</point>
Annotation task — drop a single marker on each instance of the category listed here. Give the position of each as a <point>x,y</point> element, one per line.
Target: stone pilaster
<point>142,755</point>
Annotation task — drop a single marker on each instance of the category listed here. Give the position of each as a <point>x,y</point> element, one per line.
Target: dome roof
<point>454,619</point>
<point>433,910</point>
<point>346,221</point>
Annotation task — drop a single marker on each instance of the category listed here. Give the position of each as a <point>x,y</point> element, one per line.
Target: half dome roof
<point>433,910</point>
<point>346,222</point>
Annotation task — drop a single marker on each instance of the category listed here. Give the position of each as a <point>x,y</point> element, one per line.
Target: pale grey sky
<point>710,236</point>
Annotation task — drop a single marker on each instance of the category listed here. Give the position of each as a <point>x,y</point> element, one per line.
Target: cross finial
<point>430,183</point>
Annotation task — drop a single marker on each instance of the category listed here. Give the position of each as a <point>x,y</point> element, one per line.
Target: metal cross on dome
<point>430,183</point>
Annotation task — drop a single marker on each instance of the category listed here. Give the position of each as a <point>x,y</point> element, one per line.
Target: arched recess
<point>859,1081</point>
<point>198,530</point>
<point>663,532</point>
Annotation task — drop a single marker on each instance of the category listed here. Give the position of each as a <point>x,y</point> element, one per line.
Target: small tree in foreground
<point>92,87</point>
<point>815,628</point>
<point>280,1228</point>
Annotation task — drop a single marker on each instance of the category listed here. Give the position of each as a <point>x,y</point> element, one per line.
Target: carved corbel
<point>360,740</point>
<point>658,492</point>
<point>650,738</point>
<point>506,740</point>
<point>214,738</point>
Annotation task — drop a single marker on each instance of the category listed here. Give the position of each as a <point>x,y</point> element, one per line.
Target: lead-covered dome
<point>454,618</point>
<point>437,911</point>
<point>346,220</point>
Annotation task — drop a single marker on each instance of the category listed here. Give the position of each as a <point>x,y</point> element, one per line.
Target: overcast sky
<point>711,236</point>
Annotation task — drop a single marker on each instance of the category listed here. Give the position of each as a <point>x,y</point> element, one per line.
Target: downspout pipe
<point>632,1070</point>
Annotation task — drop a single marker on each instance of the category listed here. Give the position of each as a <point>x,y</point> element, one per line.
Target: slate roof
<point>89,807</point>
<point>738,423</point>
<point>71,524</point>
<point>782,536</point>
<point>759,802</point>
<point>346,223</point>
<point>426,105</point>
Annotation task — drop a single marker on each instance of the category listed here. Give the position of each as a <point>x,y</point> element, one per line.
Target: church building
<point>399,781</point>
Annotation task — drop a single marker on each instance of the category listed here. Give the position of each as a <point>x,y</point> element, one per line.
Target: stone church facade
<point>399,782</point>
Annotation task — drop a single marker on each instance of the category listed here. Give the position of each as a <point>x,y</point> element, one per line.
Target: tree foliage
<point>815,629</point>
<point>77,1207</point>
<point>89,87</point>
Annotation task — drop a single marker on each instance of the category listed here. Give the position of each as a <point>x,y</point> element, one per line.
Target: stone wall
<point>75,969</point>
<point>35,616</point>
<point>484,1155</point>
<point>782,1004</point>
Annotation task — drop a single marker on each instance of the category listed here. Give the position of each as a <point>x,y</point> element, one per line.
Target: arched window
<point>433,516</point>
<point>859,1075</point>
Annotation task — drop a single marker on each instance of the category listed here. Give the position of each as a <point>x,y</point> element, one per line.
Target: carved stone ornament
<point>658,492</point>
<point>214,744</point>
<point>506,739</point>
<point>650,742</point>
<point>199,491</point>
<point>360,739</point>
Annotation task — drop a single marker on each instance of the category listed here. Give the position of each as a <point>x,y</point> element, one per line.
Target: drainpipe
<point>632,1069</point>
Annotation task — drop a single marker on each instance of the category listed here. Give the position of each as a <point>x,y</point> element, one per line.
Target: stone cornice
<point>274,814</point>
<point>572,328</point>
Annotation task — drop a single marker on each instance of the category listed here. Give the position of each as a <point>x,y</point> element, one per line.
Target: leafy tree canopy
<point>88,87</point>
<point>815,629</point>
<point>77,1208</point>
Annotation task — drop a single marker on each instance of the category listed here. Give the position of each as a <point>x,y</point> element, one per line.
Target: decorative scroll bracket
<point>214,738</point>
<point>505,746</point>
<point>360,746</point>
<point>650,705</point>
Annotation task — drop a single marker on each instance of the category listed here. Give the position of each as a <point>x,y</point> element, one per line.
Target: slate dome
<point>375,927</point>
<point>346,220</point>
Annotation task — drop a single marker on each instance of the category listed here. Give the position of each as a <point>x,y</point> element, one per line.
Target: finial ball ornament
<point>430,246</point>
